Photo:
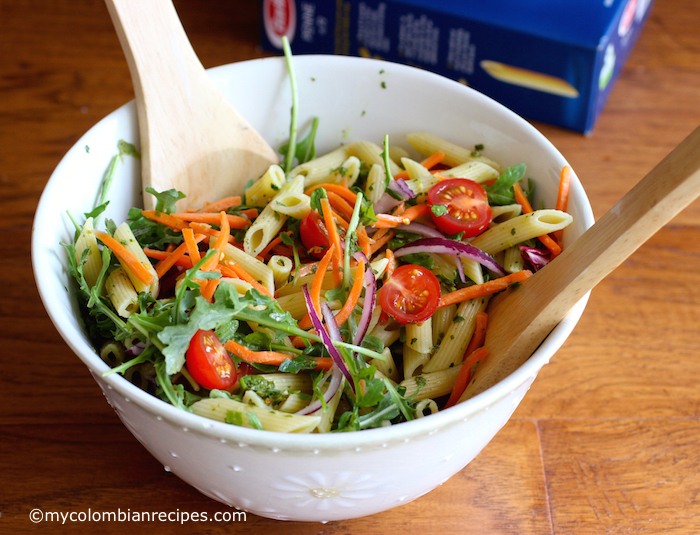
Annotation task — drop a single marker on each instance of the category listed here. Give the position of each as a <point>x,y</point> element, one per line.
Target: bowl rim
<point>307,442</point>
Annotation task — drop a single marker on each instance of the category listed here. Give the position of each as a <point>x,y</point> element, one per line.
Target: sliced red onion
<point>333,386</point>
<point>385,204</point>
<point>326,338</point>
<point>538,258</point>
<point>370,286</point>
<point>451,247</point>
<point>420,228</point>
<point>400,187</point>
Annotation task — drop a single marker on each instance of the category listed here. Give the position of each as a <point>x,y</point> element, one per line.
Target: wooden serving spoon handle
<point>192,139</point>
<point>520,318</point>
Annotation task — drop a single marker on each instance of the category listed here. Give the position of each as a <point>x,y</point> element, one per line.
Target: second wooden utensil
<point>520,318</point>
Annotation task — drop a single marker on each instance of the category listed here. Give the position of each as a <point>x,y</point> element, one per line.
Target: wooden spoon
<point>520,318</point>
<point>192,139</point>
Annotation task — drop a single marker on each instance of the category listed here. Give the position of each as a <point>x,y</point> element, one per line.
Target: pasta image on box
<point>547,60</point>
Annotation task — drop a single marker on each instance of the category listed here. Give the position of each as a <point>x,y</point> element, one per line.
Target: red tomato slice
<point>411,294</point>
<point>313,233</point>
<point>467,206</point>
<point>209,363</point>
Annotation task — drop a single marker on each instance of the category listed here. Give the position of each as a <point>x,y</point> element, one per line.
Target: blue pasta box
<point>553,61</point>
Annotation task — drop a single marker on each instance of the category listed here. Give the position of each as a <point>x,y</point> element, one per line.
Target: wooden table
<point>606,441</point>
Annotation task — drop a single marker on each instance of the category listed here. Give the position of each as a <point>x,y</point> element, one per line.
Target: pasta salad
<point>346,292</point>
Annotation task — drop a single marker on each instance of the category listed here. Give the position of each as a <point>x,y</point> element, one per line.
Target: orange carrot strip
<point>244,275</point>
<point>563,197</point>
<point>274,242</point>
<point>126,257</point>
<point>389,221</point>
<point>434,159</point>
<point>168,260</point>
<point>345,193</point>
<point>391,265</point>
<point>548,242</point>
<point>482,319</point>
<point>481,290</point>
<point>340,205</point>
<point>353,296</point>
<point>316,285</point>
<point>340,220</point>
<point>234,221</point>
<point>464,375</point>
<point>363,240</point>
<point>164,219</point>
<point>191,243</point>
<point>208,287</point>
<point>221,204</point>
<point>270,357</point>
<point>250,213</point>
<point>333,239</point>
<point>414,212</point>
<point>380,242</point>
<point>308,269</point>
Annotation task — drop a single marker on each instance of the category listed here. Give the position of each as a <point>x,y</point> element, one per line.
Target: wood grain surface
<point>606,441</point>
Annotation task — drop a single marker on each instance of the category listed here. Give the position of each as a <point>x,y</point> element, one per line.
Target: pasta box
<point>547,60</point>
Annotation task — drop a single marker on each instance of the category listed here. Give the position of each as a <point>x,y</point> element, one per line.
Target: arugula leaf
<point>165,200</point>
<point>305,150</point>
<point>438,209</point>
<point>298,363</point>
<point>316,196</point>
<point>176,338</point>
<point>501,191</point>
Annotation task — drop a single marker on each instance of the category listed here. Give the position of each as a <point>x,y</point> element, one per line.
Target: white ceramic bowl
<point>307,477</point>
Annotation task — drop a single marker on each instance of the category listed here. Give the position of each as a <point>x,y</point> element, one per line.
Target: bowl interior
<point>355,99</point>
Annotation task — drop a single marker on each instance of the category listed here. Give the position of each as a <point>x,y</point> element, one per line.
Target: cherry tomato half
<point>467,206</point>
<point>313,233</point>
<point>411,294</point>
<point>209,363</point>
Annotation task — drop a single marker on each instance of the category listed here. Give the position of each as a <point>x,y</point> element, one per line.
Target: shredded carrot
<point>363,240</point>
<point>340,220</point>
<point>414,212</point>
<point>353,296</point>
<point>220,243</point>
<point>207,288</point>
<point>381,241</point>
<point>126,257</point>
<point>392,263</point>
<point>168,260</point>
<point>345,193</point>
<point>481,290</point>
<point>399,210</point>
<point>234,221</point>
<point>274,242</point>
<point>333,239</point>
<point>274,358</point>
<point>546,240</point>
<point>482,319</point>
<point>308,269</point>
<point>464,375</point>
<point>244,275</point>
<point>563,197</point>
<point>250,213</point>
<point>221,204</point>
<point>191,243</point>
<point>340,205</point>
<point>389,221</point>
<point>316,285</point>
<point>164,219</point>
